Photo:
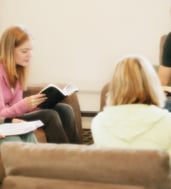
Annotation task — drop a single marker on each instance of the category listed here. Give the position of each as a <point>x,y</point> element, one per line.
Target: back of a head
<point>135,81</point>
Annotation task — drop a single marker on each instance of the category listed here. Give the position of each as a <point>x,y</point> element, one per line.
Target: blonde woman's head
<point>135,81</point>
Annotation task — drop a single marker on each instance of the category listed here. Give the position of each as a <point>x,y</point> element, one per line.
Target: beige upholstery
<point>20,182</point>
<point>71,100</point>
<point>82,167</point>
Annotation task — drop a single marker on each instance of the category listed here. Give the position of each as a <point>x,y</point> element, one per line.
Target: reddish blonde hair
<point>13,37</point>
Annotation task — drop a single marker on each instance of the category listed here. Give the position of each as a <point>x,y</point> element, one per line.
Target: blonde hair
<point>135,81</point>
<point>13,37</point>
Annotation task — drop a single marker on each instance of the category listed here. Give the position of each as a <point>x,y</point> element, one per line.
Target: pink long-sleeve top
<point>12,103</point>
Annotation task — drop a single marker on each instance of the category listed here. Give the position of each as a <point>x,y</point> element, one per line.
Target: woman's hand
<point>15,120</point>
<point>34,100</point>
<point>1,136</point>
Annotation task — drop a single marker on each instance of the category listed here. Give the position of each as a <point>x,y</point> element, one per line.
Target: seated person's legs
<point>53,126</point>
<point>68,121</point>
<point>28,137</point>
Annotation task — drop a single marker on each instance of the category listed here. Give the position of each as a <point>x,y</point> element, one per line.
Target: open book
<point>8,129</point>
<point>55,94</point>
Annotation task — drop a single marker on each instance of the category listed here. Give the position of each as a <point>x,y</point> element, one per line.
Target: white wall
<point>78,41</point>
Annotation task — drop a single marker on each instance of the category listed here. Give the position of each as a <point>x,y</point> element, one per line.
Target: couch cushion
<point>86,163</point>
<point>19,182</point>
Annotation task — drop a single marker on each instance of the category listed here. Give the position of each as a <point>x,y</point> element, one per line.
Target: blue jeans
<point>29,137</point>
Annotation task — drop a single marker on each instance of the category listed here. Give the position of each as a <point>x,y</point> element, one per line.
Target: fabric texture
<point>11,102</point>
<point>133,126</point>
<point>20,182</point>
<point>85,163</point>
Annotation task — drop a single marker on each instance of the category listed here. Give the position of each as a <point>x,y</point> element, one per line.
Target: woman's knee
<point>49,113</point>
<point>64,108</point>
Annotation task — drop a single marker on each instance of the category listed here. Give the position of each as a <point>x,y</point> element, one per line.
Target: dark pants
<point>59,123</point>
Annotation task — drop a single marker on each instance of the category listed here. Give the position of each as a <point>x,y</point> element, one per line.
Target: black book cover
<point>53,97</point>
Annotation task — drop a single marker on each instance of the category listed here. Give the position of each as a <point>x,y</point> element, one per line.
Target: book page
<point>8,129</point>
<point>69,89</point>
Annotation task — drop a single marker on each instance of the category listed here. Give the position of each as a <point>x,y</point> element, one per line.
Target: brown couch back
<point>86,163</point>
